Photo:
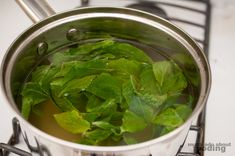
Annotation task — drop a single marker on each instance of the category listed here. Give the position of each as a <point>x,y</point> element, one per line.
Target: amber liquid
<point>46,122</point>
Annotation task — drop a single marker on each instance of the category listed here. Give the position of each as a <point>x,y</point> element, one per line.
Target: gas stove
<point>193,16</point>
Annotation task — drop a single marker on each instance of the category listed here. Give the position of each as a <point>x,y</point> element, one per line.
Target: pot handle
<point>36,10</point>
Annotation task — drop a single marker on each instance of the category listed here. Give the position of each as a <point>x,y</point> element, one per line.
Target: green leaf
<point>116,118</point>
<point>88,48</point>
<point>37,91</point>
<point>104,57</point>
<point>78,100</point>
<point>77,85</point>
<point>22,68</point>
<point>86,141</point>
<point>63,103</point>
<point>127,51</point>
<point>166,130</point>
<point>103,125</point>
<point>117,138</point>
<point>90,117</point>
<point>106,87</point>
<point>141,109</point>
<point>43,75</point>
<point>169,77</point>
<point>26,107</point>
<point>63,57</point>
<point>151,100</point>
<point>66,68</point>
<point>103,108</point>
<point>190,68</point>
<point>97,135</point>
<point>148,82</point>
<point>129,140</point>
<point>183,111</point>
<point>72,122</point>
<point>168,117</point>
<point>83,52</point>
<point>93,103</point>
<point>130,67</point>
<point>107,108</point>
<point>134,101</point>
<point>91,67</point>
<point>131,122</point>
<point>107,126</point>
<point>32,94</point>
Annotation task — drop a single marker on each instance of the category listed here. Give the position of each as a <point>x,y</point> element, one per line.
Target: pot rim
<point>199,106</point>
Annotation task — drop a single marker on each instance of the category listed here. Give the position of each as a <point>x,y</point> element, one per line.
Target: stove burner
<point>150,7</point>
<point>6,149</point>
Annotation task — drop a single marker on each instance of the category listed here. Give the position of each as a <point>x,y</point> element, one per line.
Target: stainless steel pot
<point>64,29</point>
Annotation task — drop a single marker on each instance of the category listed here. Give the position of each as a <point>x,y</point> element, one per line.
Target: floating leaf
<point>72,122</point>
<point>131,122</point>
<point>168,117</point>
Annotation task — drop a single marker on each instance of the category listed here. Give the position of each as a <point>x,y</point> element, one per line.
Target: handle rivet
<point>42,48</point>
<point>72,34</point>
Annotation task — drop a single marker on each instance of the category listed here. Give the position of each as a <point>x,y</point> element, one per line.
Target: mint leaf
<point>88,48</point>
<point>101,107</point>
<point>131,122</point>
<point>166,130</point>
<point>90,117</point>
<point>62,102</point>
<point>106,87</point>
<point>37,91</point>
<point>107,126</point>
<point>151,100</point>
<point>78,100</point>
<point>32,94</point>
<point>77,85</point>
<point>43,75</point>
<point>148,82</point>
<point>120,65</point>
<point>104,57</point>
<point>66,68</point>
<point>72,122</point>
<point>134,101</point>
<point>91,67</point>
<point>103,125</point>
<point>116,118</point>
<point>129,140</point>
<point>93,103</point>
<point>141,109</point>
<point>107,108</point>
<point>183,111</point>
<point>168,117</point>
<point>127,51</point>
<point>97,135</point>
<point>169,77</point>
<point>190,68</point>
<point>84,52</point>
